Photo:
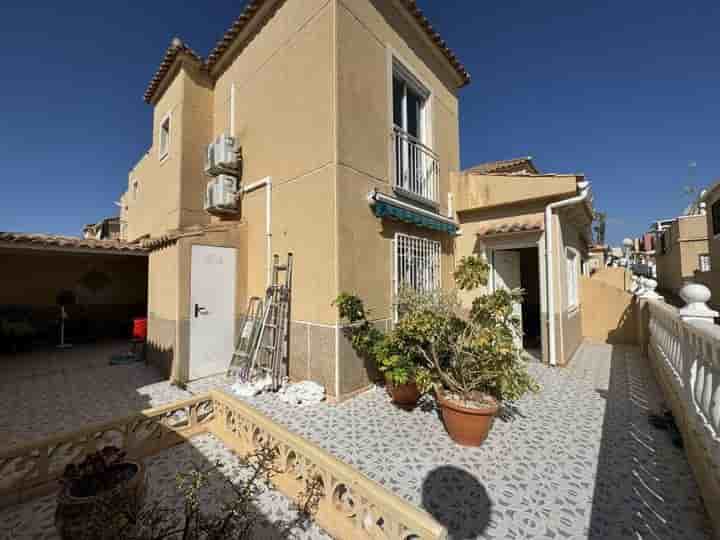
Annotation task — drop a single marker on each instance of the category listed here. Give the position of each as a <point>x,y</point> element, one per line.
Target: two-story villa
<point>346,114</point>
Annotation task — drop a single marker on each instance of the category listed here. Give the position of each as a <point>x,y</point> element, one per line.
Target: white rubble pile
<point>253,388</point>
<point>302,393</point>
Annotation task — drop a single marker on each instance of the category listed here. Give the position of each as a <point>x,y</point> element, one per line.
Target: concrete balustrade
<point>684,348</point>
<point>351,506</point>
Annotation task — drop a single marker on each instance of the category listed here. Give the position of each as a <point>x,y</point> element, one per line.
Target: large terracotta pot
<point>405,395</point>
<point>468,426</point>
<point>71,515</point>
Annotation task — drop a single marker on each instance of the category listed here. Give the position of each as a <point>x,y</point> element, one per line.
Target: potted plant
<point>386,352</point>
<point>400,370</point>
<point>103,480</point>
<point>474,364</point>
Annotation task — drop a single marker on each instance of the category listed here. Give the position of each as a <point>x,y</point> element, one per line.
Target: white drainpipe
<point>267,183</point>
<point>584,188</point>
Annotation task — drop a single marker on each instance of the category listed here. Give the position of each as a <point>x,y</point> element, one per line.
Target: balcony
<point>416,169</point>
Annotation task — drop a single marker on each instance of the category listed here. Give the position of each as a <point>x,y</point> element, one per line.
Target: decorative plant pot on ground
<point>404,395</point>
<point>78,500</point>
<point>467,424</point>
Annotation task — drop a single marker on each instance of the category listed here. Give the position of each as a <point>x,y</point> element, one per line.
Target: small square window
<point>164,137</point>
<point>704,262</point>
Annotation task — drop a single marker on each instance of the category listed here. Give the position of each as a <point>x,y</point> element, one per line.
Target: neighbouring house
<point>505,210</point>
<point>105,229</point>
<point>102,285</point>
<point>708,271</point>
<point>681,249</point>
<point>344,115</point>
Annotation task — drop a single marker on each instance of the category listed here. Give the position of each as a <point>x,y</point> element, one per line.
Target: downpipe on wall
<point>267,184</point>
<point>584,188</point>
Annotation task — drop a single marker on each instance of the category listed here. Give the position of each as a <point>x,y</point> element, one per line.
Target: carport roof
<point>68,243</point>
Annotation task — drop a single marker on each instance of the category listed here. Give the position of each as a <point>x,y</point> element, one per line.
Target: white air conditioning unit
<point>221,195</point>
<point>222,156</point>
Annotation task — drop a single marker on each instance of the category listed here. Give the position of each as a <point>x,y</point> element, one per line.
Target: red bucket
<point>139,329</point>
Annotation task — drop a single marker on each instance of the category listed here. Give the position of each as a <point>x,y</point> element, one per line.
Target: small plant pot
<point>468,426</point>
<point>405,395</point>
<point>73,509</point>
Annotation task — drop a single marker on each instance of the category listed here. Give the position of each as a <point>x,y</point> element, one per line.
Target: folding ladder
<point>249,332</point>
<point>267,354</point>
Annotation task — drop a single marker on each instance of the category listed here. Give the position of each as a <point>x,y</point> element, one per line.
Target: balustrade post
<point>647,290</point>
<point>696,296</point>
<point>695,313</point>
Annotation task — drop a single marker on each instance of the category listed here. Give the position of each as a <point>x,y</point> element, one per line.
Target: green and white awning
<point>384,206</point>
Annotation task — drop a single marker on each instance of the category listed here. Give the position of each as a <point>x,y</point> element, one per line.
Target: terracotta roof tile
<point>506,165</point>
<point>247,15</point>
<point>437,40</point>
<point>511,225</point>
<point>70,242</point>
<point>176,48</point>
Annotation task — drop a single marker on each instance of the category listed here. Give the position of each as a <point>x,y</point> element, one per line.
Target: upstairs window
<point>164,137</point>
<point>409,104</point>
<point>572,271</point>
<point>135,189</point>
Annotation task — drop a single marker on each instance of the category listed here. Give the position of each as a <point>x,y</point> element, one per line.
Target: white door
<point>507,276</point>
<point>212,310</point>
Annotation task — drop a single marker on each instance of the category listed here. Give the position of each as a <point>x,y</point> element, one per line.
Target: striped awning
<point>388,207</point>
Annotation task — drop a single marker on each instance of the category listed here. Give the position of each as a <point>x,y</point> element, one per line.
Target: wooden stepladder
<point>265,353</point>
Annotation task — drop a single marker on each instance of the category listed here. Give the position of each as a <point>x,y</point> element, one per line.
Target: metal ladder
<point>249,332</point>
<point>270,354</point>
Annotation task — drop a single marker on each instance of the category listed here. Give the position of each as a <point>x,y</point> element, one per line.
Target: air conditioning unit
<point>221,195</point>
<point>222,156</point>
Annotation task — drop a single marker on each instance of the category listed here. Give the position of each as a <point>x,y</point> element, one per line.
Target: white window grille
<point>417,263</point>
<point>704,262</point>
<point>572,259</point>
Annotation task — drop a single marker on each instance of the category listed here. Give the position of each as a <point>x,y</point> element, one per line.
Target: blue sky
<point>626,92</point>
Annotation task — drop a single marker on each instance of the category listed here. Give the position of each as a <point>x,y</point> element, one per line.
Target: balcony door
<point>408,107</point>
<point>415,165</point>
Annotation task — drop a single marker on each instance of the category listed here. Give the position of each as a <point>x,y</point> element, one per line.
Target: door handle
<point>199,310</point>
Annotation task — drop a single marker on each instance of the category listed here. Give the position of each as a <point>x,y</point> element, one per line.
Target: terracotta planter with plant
<point>473,363</point>
<point>103,481</point>
<point>467,423</point>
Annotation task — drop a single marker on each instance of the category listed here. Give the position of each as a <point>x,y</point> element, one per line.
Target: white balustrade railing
<point>416,168</point>
<point>685,344</point>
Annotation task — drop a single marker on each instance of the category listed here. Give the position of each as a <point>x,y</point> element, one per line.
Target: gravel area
<point>577,460</point>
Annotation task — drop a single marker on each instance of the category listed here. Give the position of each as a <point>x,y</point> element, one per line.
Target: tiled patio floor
<point>578,460</point>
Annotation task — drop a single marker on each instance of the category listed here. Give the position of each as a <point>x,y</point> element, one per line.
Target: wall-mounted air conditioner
<point>222,156</point>
<point>221,195</point>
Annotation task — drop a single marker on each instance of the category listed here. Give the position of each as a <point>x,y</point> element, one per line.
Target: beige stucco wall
<point>473,190</point>
<point>163,275</point>
<point>609,313</point>
<point>171,189</point>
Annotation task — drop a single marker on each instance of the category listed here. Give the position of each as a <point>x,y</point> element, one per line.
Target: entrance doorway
<point>520,268</point>
<point>212,309</point>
